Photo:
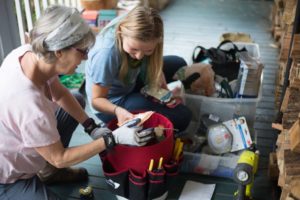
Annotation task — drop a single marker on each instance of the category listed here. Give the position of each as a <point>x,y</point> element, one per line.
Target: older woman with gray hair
<point>39,115</point>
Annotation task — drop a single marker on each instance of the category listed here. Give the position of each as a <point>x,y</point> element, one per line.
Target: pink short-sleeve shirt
<point>27,120</point>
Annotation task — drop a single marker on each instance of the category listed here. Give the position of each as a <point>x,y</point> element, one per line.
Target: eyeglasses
<point>84,52</point>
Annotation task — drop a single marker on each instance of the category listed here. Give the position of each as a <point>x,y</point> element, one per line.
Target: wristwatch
<point>109,141</point>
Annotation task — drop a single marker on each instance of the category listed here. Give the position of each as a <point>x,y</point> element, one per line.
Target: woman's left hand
<point>123,115</point>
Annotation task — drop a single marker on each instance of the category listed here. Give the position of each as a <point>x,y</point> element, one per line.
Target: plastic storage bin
<point>225,108</point>
<point>204,162</point>
<point>213,165</point>
<point>252,48</point>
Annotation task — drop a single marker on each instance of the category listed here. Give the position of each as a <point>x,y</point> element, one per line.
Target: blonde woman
<point>128,54</point>
<point>39,115</point>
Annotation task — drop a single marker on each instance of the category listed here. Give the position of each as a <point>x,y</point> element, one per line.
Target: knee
<point>171,65</point>
<point>184,116</point>
<point>175,60</point>
<point>180,61</point>
<point>80,98</point>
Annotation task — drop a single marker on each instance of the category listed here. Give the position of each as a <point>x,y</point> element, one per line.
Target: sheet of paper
<point>194,190</point>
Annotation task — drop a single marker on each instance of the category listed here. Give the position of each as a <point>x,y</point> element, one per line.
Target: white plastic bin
<point>252,48</point>
<point>225,108</point>
<point>213,165</point>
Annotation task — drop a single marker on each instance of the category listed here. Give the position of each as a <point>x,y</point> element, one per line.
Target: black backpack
<point>225,63</point>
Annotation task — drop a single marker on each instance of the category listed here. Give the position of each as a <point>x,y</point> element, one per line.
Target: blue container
<point>105,16</point>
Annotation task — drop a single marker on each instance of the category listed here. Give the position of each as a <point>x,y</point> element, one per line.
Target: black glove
<point>95,131</point>
<point>89,125</point>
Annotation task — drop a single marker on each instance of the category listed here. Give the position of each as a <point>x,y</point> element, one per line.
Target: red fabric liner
<point>138,158</point>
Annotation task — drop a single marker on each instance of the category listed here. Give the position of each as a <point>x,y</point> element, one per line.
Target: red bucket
<point>138,158</point>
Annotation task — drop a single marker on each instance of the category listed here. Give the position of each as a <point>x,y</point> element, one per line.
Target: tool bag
<point>225,63</point>
<point>126,168</point>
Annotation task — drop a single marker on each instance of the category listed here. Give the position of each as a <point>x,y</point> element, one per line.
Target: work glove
<point>133,136</point>
<point>99,132</point>
<point>93,129</point>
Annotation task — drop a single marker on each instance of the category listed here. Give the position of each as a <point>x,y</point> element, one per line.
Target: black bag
<point>225,63</point>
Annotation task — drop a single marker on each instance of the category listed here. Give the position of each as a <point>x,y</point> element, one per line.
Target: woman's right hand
<point>123,115</point>
<point>132,136</point>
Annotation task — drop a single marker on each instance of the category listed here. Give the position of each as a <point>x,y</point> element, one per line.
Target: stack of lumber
<point>290,106</point>
<point>283,15</point>
<point>288,160</point>
<point>287,153</point>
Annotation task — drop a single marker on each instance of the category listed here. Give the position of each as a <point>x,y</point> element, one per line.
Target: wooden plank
<point>295,185</point>
<point>284,194</point>
<point>288,119</point>
<point>295,51</point>
<point>295,137</point>
<point>295,74</point>
<point>285,101</point>
<point>289,12</point>
<point>277,126</point>
<point>273,171</point>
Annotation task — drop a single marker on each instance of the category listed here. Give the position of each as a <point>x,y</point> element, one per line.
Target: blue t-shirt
<point>103,66</point>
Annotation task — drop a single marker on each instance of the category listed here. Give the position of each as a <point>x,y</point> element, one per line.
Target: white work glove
<point>99,132</point>
<point>132,136</point>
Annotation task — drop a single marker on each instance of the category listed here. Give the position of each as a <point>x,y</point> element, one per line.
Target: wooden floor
<point>201,22</point>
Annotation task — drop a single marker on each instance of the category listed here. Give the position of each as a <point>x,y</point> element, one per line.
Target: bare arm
<point>67,101</point>
<point>101,103</point>
<point>61,157</point>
